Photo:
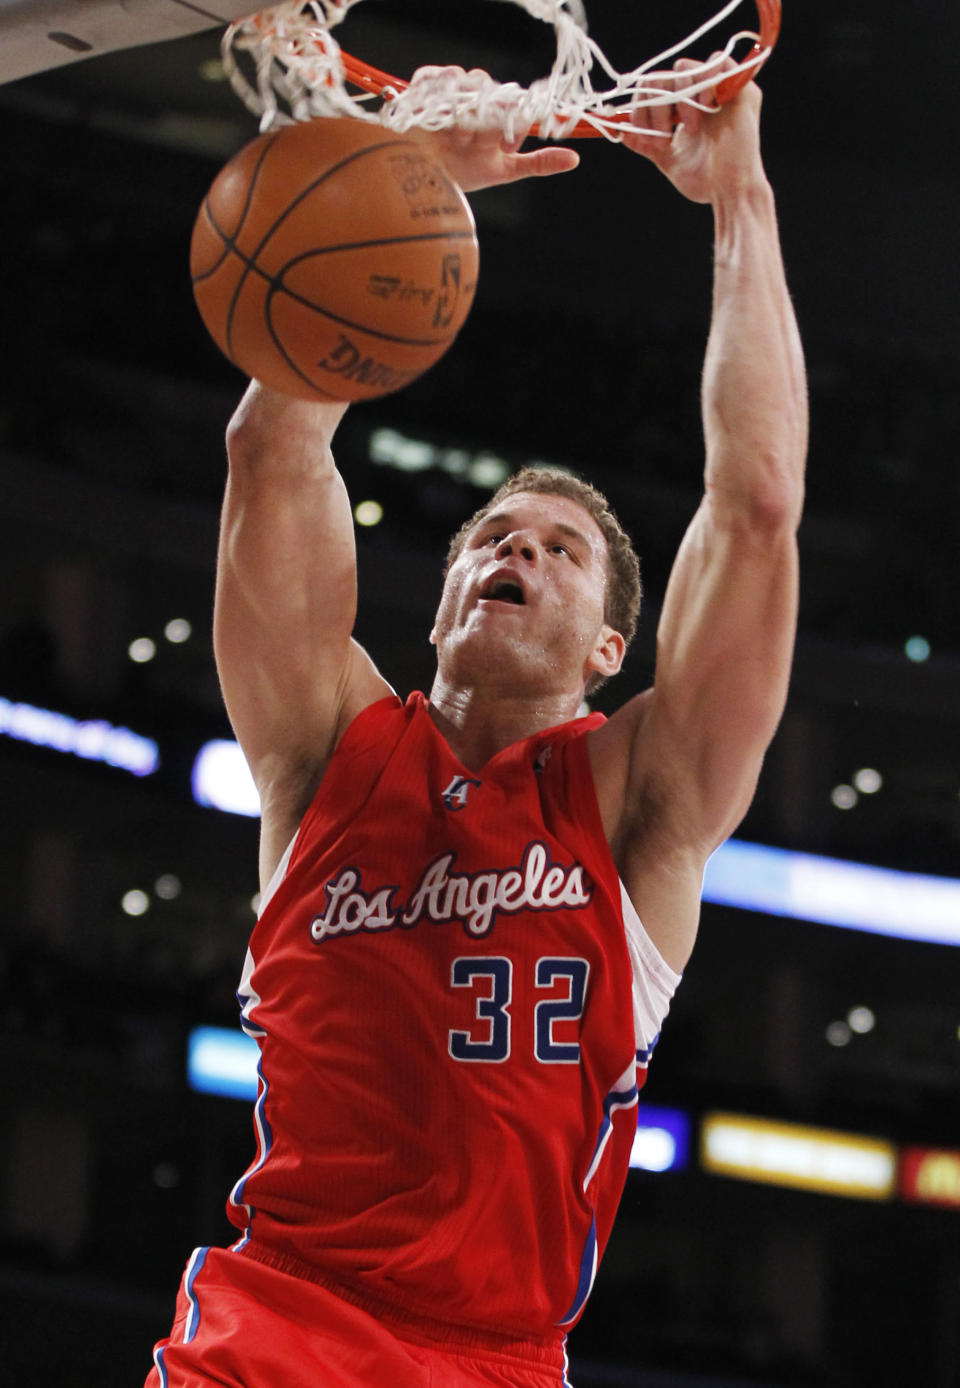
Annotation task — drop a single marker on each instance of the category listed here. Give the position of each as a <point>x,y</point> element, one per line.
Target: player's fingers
<point>541,163</point>
<point>687,113</point>
<point>692,94</point>
<point>724,65</point>
<point>736,86</point>
<point>652,116</point>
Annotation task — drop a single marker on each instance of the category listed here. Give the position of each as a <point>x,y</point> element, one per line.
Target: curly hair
<point>623,588</point>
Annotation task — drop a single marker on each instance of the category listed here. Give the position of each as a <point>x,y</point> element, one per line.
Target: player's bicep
<point>724,650</point>
<point>284,611</point>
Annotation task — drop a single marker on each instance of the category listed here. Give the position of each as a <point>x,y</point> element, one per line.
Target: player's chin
<point>493,646</point>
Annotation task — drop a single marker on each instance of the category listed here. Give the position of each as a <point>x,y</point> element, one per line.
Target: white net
<point>284,63</point>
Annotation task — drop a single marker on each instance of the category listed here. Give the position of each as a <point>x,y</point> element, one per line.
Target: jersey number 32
<point>491,982</point>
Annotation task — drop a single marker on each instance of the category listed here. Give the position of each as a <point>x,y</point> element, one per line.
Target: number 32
<point>492,981</point>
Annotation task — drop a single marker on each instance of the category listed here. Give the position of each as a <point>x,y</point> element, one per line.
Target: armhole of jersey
<point>279,873</point>
<point>654,982</point>
<point>350,735</point>
<point>351,741</point>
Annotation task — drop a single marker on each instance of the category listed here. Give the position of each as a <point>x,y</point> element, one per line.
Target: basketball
<point>334,259</point>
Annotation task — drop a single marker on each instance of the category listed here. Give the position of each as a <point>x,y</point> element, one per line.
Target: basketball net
<point>299,71</point>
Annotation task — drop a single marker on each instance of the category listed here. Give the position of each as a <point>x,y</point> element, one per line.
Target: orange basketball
<point>334,259</point>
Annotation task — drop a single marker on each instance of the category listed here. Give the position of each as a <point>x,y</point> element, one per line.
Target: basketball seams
<point>311,187</point>
<point>251,262</point>
<point>242,295</point>
<point>229,241</point>
<point>278,343</point>
<point>298,371</point>
<point>377,241</point>
<point>276,287</point>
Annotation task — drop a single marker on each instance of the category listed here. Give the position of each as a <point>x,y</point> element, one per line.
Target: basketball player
<point>476,907</point>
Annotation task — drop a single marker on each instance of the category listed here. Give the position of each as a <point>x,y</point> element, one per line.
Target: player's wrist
<point>266,424</point>
<point>751,196</point>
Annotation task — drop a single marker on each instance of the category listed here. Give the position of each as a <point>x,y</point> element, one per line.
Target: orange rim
<point>371,79</point>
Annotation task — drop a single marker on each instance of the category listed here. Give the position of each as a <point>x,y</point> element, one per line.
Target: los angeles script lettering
<point>442,896</point>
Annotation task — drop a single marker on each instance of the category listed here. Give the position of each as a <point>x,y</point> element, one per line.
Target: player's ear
<point>608,652</point>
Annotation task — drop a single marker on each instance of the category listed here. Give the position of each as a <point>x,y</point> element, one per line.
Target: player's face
<point>525,596</point>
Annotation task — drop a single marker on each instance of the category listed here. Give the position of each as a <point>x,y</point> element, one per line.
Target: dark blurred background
<point>584,348</point>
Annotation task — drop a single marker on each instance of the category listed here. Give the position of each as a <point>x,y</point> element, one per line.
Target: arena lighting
<point>221,779</point>
<point>803,1158</point>
<point>780,882</point>
<point>222,1061</point>
<point>930,1176</point>
<point>91,739</point>
<point>368,513</point>
<point>662,1142</point>
<point>390,448</point>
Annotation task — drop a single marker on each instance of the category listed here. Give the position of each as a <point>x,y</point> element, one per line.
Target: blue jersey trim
<point>643,1056</point>
<point>160,1366</point>
<point>588,1271</point>
<point>566,1383</point>
<point>616,1099</point>
<point>193,1317</point>
<point>265,1144</point>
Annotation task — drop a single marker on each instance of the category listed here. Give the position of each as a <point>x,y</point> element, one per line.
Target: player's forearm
<point>754,383</point>
<point>287,534</point>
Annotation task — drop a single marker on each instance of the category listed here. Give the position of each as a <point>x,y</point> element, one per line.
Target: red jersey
<point>454,1004</point>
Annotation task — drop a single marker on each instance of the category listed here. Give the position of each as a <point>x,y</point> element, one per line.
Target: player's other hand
<point>483,158</point>
<point>705,154</point>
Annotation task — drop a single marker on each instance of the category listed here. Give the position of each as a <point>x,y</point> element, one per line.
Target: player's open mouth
<point>504,590</point>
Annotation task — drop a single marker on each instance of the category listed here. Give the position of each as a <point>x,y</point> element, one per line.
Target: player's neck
<point>477,724</point>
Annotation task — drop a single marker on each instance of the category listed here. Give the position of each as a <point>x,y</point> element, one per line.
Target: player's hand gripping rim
<point>706,154</point>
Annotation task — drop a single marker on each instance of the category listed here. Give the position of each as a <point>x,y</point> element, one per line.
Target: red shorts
<point>242,1324</point>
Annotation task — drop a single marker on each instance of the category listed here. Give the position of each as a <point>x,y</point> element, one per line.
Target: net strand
<point>299,73</point>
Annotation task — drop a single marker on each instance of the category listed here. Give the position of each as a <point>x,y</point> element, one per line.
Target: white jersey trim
<point>279,873</point>
<point>654,982</point>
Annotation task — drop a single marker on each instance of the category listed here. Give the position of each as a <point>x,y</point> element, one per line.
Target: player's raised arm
<point>695,743</point>
<point>286,599</point>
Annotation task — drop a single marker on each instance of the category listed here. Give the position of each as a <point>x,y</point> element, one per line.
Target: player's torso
<point>445,991</point>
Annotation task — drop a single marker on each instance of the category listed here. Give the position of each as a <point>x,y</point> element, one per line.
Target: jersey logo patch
<point>455,795</point>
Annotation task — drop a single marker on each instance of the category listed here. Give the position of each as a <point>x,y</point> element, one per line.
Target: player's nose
<point>519,543</point>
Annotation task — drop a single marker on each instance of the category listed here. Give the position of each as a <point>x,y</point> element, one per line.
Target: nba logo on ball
<point>334,260</point>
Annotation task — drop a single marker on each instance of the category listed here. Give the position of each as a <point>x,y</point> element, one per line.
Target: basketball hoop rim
<point>370,79</point>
